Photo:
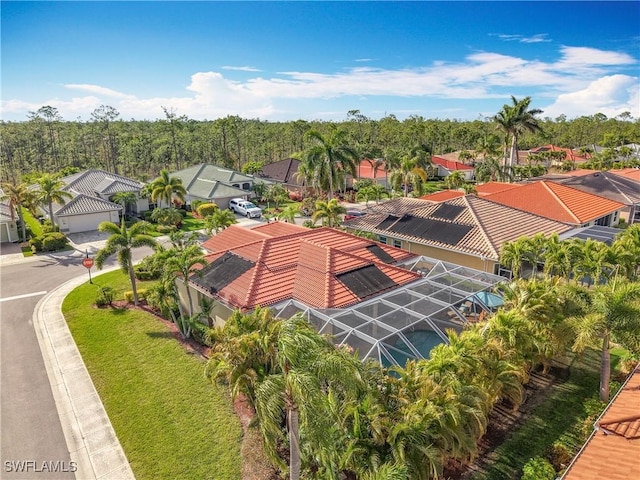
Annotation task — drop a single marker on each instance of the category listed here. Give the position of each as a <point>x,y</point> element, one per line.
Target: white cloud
<point>611,95</point>
<point>537,38</point>
<point>241,69</point>
<point>581,80</point>
<point>98,90</point>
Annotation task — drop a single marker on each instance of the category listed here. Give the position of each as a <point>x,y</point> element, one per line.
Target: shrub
<point>207,209</point>
<point>48,242</point>
<point>538,468</point>
<point>54,241</point>
<point>166,228</point>
<point>200,333</point>
<point>47,227</point>
<point>559,455</point>
<point>308,224</point>
<point>296,196</point>
<point>146,215</point>
<point>104,296</point>
<point>142,295</point>
<point>195,204</point>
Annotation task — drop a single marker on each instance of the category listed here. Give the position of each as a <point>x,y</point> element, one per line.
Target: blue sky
<point>318,60</point>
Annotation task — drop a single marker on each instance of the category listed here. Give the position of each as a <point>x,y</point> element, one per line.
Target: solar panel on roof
<point>366,281</point>
<point>383,225</point>
<point>447,211</point>
<point>430,229</point>
<point>380,253</point>
<point>221,272</point>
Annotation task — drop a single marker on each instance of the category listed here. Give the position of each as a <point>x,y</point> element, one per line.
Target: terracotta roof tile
<point>488,188</point>
<point>302,265</point>
<point>443,196</point>
<point>490,225</point>
<point>557,202</point>
<point>632,173</point>
<point>613,450</point>
<point>450,164</point>
<point>277,229</point>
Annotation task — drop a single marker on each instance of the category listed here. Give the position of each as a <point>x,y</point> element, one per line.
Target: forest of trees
<point>46,142</point>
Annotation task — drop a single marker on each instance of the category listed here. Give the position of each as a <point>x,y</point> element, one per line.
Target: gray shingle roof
<point>92,182</point>
<point>211,181</point>
<point>83,204</point>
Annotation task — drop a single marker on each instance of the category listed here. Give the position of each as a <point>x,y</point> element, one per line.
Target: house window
<point>382,239</point>
<point>246,186</point>
<point>397,243</point>
<point>604,221</point>
<point>237,185</point>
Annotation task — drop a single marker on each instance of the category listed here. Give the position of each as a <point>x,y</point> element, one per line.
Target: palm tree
<point>17,195</point>
<point>592,259</point>
<point>326,161</point>
<point>50,191</point>
<point>330,211</point>
<point>514,120</point>
<point>183,264</point>
<point>219,220</point>
<point>127,200</point>
<point>309,369</point>
<point>408,172</point>
<point>165,188</point>
<point>288,214</point>
<point>454,180</point>
<point>627,250</point>
<point>557,257</point>
<point>513,254</point>
<point>613,314</point>
<point>121,242</point>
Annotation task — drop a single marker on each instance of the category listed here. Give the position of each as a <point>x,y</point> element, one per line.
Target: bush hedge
<point>49,242</point>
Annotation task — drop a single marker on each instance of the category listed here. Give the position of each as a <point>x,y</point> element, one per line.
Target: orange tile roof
<point>277,228</point>
<point>365,170</point>
<point>556,201</point>
<point>488,188</point>
<point>632,173</point>
<point>579,172</point>
<point>613,450</point>
<point>443,196</point>
<point>450,164</point>
<point>302,265</point>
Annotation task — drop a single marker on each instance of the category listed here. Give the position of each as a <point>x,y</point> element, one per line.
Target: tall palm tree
<point>514,120</point>
<point>408,172</point>
<point>121,242</point>
<point>328,211</point>
<point>165,188</point>
<point>50,191</point>
<point>627,250</point>
<point>127,200</point>
<point>593,259</point>
<point>613,314</point>
<point>309,369</point>
<point>18,195</point>
<point>183,264</point>
<point>557,257</point>
<point>327,160</point>
<point>288,214</point>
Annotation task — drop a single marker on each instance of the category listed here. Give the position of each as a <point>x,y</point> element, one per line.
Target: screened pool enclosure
<point>407,322</point>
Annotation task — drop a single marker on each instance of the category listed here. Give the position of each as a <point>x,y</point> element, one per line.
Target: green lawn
<point>559,418</point>
<point>171,422</point>
<point>190,224</point>
<point>32,223</point>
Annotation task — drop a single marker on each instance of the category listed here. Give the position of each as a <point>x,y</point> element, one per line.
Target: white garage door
<point>4,233</point>
<point>83,223</point>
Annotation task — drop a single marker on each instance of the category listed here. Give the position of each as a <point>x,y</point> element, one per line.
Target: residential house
<point>619,188</point>
<point>383,302</point>
<point>211,183</point>
<point>284,172</point>
<point>443,195</point>
<point>446,167</point>
<point>8,222</point>
<point>613,449</point>
<point>561,203</point>
<point>373,169</point>
<point>632,173</point>
<point>468,230</point>
<point>570,155</point>
<point>90,205</point>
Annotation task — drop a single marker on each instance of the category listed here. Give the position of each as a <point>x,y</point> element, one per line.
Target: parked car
<point>245,208</point>
<point>353,214</point>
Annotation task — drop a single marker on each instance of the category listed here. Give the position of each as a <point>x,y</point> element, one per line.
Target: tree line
<point>46,142</point>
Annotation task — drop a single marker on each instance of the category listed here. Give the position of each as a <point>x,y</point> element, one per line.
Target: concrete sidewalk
<point>90,438</point>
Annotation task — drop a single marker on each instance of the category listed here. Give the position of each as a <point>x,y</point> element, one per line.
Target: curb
<point>91,439</point>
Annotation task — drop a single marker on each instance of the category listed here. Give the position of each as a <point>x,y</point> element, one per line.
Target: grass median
<point>171,422</point>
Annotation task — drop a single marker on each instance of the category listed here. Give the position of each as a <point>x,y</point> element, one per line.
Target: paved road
<point>29,424</point>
